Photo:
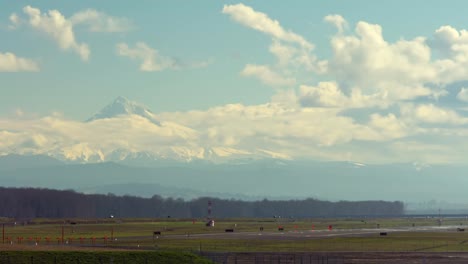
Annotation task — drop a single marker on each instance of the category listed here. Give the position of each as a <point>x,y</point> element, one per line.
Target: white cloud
<point>101,22</point>
<point>60,29</point>
<point>259,21</point>
<point>291,58</point>
<point>367,69</point>
<point>463,94</point>
<point>315,120</point>
<point>293,51</point>
<point>367,62</point>
<point>338,21</point>
<point>201,64</point>
<point>151,59</point>
<point>92,141</point>
<point>283,53</point>
<point>452,46</point>
<point>389,126</point>
<point>326,94</point>
<point>15,21</point>
<point>236,130</point>
<point>330,94</point>
<point>9,62</point>
<point>271,126</point>
<point>451,42</point>
<point>431,114</point>
<point>266,75</point>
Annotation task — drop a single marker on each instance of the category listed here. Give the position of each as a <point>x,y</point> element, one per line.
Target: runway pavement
<point>314,234</point>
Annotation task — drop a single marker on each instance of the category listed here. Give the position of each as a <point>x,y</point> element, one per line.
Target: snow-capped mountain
<point>128,132</point>
<point>123,106</point>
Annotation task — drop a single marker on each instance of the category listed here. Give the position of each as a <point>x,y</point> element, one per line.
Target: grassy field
<point>180,235</point>
<point>92,257</point>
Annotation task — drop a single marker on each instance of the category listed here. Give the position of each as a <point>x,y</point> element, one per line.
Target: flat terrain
<point>399,240</point>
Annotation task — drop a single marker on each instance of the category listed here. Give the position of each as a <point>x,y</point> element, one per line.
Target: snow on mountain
<point>227,152</point>
<point>274,155</point>
<point>123,106</point>
<point>82,152</point>
<point>165,131</point>
<point>127,132</point>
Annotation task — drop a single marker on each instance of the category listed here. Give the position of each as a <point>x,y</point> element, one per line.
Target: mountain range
<point>226,173</point>
<point>123,114</point>
<point>123,106</point>
<point>249,181</point>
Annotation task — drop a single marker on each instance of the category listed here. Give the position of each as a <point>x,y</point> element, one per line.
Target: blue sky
<point>342,79</point>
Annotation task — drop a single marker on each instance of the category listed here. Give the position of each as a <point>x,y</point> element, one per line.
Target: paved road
<point>312,234</point>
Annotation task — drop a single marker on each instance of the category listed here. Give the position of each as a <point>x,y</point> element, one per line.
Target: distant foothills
<point>21,203</point>
<point>425,189</point>
<point>222,173</point>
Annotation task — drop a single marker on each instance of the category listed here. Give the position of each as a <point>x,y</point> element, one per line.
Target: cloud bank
<point>9,62</point>
<point>372,100</point>
<point>150,58</point>
<point>62,29</point>
<point>57,27</point>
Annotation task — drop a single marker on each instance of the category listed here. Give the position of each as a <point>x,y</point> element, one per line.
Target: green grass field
<point>179,235</point>
<point>92,257</point>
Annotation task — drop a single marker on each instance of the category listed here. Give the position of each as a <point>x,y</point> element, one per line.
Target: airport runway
<point>313,234</point>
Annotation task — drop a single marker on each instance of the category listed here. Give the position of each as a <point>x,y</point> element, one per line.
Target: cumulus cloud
<point>259,21</point>
<point>62,29</point>
<point>261,130</point>
<point>292,51</point>
<point>367,62</point>
<point>266,75</point>
<point>432,114</point>
<point>92,141</point>
<point>297,60</point>
<point>200,64</point>
<point>9,62</point>
<point>338,21</point>
<point>451,42</point>
<point>284,53</point>
<point>15,21</point>
<point>395,85</point>
<point>389,126</point>
<point>272,126</point>
<point>150,58</point>
<point>59,28</point>
<point>326,94</point>
<point>330,94</point>
<point>367,69</point>
<point>402,70</point>
<point>463,94</point>
<point>236,130</point>
<point>101,22</point>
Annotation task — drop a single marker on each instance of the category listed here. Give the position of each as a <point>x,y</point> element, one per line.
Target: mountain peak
<point>122,100</point>
<point>122,106</point>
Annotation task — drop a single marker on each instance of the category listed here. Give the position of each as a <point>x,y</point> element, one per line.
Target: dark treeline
<point>32,202</point>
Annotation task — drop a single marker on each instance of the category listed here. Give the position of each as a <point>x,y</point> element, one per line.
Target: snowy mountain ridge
<point>143,138</point>
<point>123,106</point>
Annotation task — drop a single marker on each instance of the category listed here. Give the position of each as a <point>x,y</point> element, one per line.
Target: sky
<point>365,81</point>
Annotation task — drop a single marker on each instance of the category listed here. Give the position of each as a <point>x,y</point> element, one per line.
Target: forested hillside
<point>31,202</point>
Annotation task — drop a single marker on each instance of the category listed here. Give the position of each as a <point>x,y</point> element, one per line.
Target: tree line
<point>20,203</point>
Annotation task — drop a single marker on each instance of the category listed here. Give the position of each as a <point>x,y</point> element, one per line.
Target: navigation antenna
<point>209,209</point>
